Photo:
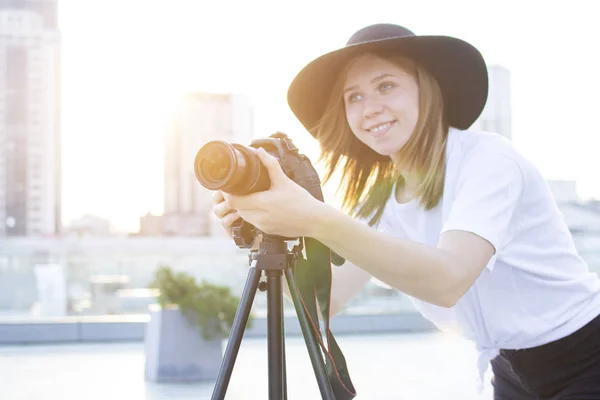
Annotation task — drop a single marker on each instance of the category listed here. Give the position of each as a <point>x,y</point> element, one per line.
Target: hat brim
<point>458,67</point>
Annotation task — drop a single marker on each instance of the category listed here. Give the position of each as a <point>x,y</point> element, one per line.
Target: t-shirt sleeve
<point>487,192</point>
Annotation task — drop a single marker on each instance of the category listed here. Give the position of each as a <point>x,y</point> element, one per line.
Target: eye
<point>353,97</point>
<point>385,86</point>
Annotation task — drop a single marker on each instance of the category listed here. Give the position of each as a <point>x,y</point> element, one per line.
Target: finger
<point>252,201</point>
<point>272,164</point>
<point>228,220</point>
<point>218,197</point>
<point>222,209</point>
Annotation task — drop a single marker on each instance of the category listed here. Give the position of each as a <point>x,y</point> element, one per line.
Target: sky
<point>124,63</point>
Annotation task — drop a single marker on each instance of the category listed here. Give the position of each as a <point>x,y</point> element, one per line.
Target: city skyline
<point>119,84</point>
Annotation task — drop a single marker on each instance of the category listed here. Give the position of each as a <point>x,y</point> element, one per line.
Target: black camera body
<point>236,169</point>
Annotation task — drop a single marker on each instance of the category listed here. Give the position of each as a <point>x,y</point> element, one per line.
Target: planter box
<point>176,352</point>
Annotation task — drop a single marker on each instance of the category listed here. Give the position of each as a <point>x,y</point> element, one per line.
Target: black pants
<point>568,368</point>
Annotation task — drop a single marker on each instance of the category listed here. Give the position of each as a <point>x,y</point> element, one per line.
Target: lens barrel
<point>232,168</point>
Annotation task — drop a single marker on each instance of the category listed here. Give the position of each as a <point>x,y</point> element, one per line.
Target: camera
<point>237,169</point>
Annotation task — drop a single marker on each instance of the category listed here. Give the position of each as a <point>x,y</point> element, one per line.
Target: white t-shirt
<point>536,288</point>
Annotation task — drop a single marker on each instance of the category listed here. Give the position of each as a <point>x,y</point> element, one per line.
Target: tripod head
<point>273,256</point>
<point>273,244</point>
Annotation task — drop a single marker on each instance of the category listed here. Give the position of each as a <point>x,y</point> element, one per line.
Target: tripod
<point>274,259</point>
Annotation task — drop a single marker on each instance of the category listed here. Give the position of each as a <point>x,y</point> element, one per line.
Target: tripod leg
<point>275,337</point>
<point>311,344</point>
<point>237,331</point>
<point>284,373</point>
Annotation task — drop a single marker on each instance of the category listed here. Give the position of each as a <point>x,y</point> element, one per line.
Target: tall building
<point>200,118</point>
<point>496,116</point>
<point>30,184</point>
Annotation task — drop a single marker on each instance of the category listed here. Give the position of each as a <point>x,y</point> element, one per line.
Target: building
<point>89,225</point>
<point>200,118</point>
<point>175,224</point>
<point>582,218</point>
<point>30,184</point>
<point>496,116</point>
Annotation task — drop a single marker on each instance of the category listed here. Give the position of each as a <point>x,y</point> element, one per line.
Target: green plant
<point>210,307</point>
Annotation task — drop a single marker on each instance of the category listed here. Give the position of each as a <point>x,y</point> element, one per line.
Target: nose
<point>372,107</point>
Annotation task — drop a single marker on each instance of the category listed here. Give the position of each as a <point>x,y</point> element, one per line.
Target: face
<point>382,103</point>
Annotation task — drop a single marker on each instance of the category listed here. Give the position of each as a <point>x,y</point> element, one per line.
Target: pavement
<point>408,366</point>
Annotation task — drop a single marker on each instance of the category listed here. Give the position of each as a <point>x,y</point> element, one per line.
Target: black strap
<point>313,280</point>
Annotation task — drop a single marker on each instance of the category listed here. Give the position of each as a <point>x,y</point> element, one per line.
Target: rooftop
<point>412,366</point>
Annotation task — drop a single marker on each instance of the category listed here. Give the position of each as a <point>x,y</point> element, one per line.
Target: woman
<point>458,220</point>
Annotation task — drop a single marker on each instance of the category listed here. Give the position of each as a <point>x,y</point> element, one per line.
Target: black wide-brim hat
<point>458,67</point>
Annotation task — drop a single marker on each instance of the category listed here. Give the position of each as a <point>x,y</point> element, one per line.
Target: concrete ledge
<point>132,328</point>
<point>353,324</point>
<point>37,332</point>
<point>103,331</point>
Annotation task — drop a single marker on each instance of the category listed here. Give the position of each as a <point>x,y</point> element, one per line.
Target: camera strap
<point>313,281</point>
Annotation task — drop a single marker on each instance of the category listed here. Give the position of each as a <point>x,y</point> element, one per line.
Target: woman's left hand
<point>285,209</point>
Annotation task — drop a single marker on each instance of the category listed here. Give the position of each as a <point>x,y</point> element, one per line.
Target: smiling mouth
<point>381,128</point>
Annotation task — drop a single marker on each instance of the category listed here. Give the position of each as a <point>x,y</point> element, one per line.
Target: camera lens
<point>233,168</point>
<point>219,167</point>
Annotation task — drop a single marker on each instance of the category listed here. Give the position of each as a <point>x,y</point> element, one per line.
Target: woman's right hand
<point>226,215</point>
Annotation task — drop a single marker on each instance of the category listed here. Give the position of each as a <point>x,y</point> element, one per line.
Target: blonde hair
<point>367,177</point>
